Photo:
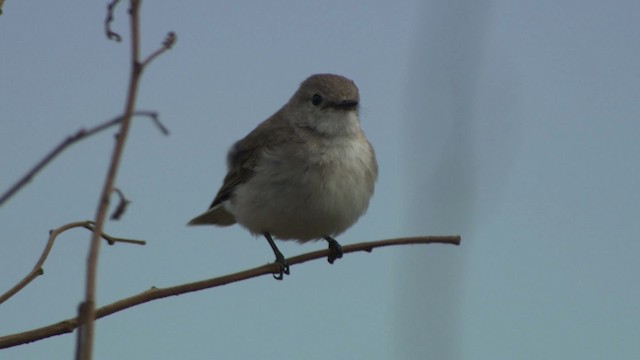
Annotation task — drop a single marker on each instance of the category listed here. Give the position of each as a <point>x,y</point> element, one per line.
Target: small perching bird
<point>306,173</point>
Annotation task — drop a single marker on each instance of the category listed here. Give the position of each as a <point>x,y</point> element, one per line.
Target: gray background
<point>512,123</point>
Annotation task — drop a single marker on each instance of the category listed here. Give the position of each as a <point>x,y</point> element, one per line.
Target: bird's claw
<point>335,250</point>
<point>283,266</point>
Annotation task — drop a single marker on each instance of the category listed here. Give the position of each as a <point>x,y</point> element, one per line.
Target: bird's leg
<point>335,250</point>
<point>280,260</point>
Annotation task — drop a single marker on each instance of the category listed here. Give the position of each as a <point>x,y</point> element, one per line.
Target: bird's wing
<point>233,178</point>
<point>245,154</point>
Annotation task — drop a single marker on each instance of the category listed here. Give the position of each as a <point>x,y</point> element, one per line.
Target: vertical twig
<point>88,308</point>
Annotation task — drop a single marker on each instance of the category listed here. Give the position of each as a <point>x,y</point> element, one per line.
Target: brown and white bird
<point>306,173</point>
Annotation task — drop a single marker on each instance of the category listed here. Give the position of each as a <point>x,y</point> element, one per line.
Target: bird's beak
<point>346,104</point>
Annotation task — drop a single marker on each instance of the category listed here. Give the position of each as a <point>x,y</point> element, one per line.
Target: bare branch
<point>84,349</point>
<point>68,325</point>
<point>53,234</point>
<point>70,140</point>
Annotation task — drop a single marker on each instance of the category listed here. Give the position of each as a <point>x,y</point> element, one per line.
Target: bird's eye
<point>316,99</point>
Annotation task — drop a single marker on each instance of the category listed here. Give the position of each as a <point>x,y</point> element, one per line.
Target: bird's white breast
<point>309,190</point>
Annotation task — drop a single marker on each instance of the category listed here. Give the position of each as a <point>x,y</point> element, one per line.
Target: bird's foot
<point>280,260</point>
<point>335,249</point>
<point>282,265</point>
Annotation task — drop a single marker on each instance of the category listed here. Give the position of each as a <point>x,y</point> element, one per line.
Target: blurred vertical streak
<point>441,171</point>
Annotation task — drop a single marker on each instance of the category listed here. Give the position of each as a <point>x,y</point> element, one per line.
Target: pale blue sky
<point>512,123</point>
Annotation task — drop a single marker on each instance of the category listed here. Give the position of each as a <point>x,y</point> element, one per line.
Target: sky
<point>511,123</point>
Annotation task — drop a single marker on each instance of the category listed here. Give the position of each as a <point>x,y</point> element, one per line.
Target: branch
<point>53,234</point>
<point>84,348</point>
<point>68,325</point>
<point>70,140</point>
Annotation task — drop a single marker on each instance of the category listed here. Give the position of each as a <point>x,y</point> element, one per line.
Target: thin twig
<point>53,234</point>
<point>68,325</point>
<point>70,140</point>
<point>112,240</point>
<point>122,205</point>
<point>167,44</point>
<point>111,35</point>
<point>155,119</point>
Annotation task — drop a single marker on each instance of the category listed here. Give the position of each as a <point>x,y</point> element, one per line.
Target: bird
<point>306,173</point>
